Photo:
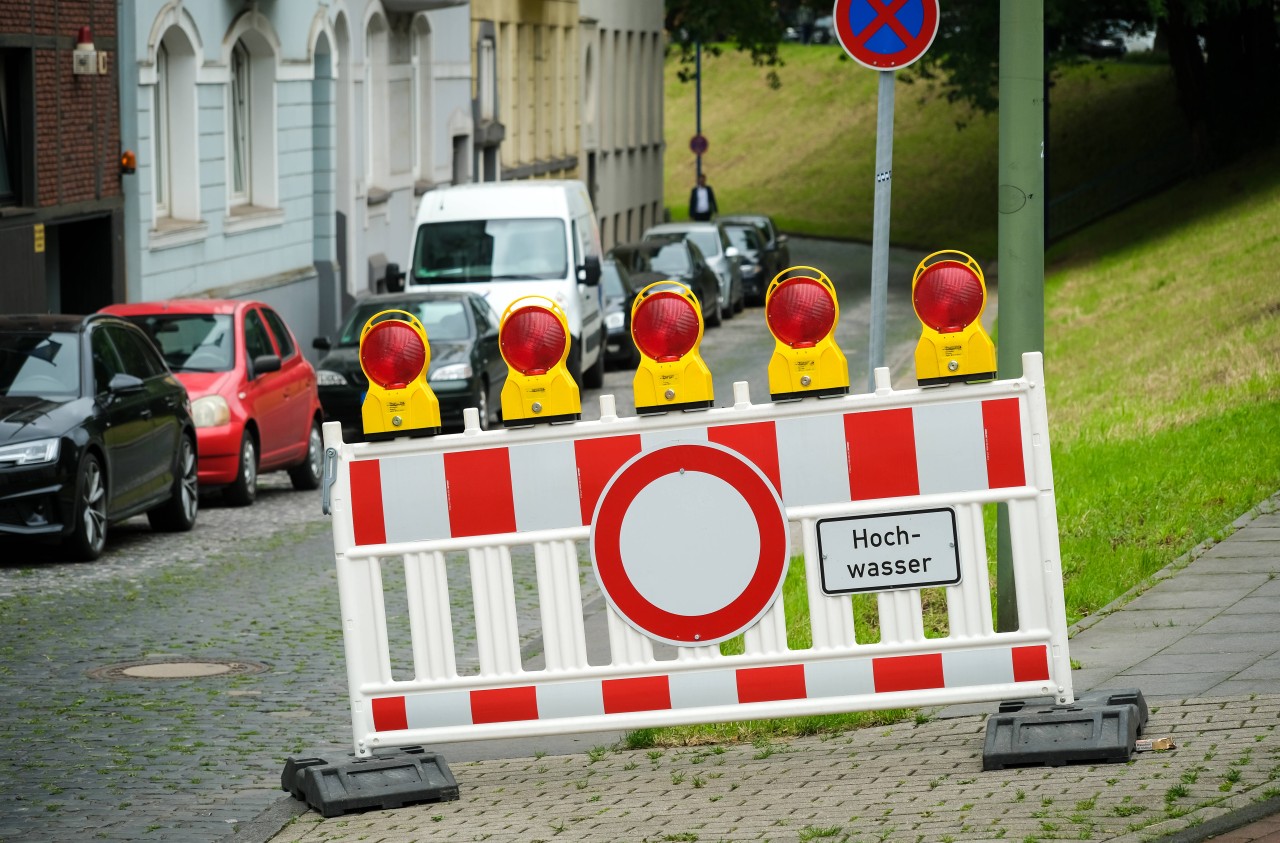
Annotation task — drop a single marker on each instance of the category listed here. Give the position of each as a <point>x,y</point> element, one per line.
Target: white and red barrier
<point>614,486</point>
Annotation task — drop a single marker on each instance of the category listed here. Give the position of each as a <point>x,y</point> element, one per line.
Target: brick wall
<point>77,142</point>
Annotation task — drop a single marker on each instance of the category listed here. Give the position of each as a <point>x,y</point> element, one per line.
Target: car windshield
<point>445,319</point>
<point>490,250</point>
<point>610,280</point>
<point>671,259</point>
<point>742,238</point>
<point>708,241</point>
<point>45,364</point>
<point>191,342</point>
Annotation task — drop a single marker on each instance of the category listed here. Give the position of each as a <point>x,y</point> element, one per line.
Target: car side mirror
<point>589,272</point>
<point>321,344</point>
<point>264,363</point>
<point>123,383</point>
<point>393,278</point>
<point>732,252</point>
<point>782,238</point>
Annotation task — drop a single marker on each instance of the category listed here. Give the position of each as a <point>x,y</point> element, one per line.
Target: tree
<point>1223,54</point>
<point>753,26</point>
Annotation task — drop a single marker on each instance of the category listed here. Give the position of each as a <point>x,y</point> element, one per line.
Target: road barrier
<point>687,519</point>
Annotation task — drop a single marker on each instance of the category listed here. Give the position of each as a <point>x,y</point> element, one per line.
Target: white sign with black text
<point>912,549</point>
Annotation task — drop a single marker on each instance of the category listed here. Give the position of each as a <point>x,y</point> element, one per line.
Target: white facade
<point>622,128</point>
<point>281,147</point>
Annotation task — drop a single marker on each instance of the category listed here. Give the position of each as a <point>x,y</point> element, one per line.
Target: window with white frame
<point>251,125</point>
<point>391,135</point>
<point>241,115</point>
<point>488,81</point>
<point>423,98</point>
<point>174,167</point>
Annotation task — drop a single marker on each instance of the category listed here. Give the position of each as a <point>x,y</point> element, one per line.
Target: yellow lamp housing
<point>534,340</point>
<point>395,356</point>
<point>802,311</point>
<point>949,294</point>
<point>666,325</point>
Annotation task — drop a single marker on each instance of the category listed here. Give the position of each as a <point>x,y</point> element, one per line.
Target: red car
<point>253,395</point>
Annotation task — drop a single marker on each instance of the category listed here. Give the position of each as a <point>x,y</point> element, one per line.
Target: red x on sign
<point>886,34</point>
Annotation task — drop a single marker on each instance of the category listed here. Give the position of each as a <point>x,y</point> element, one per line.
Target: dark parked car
<point>776,249</point>
<point>673,259</point>
<point>466,370</point>
<point>619,293</point>
<point>749,242</point>
<point>94,428</point>
<point>713,241</point>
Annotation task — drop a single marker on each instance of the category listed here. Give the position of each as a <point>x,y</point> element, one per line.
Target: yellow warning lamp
<point>534,340</point>
<point>801,311</point>
<point>394,355</point>
<point>666,324</point>
<point>949,295</point>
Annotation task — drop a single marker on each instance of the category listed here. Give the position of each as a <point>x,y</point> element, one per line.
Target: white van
<point>513,239</point>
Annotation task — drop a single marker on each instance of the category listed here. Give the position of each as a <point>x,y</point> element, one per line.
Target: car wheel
<point>244,489</point>
<point>178,514</point>
<point>306,474</point>
<point>593,378</point>
<point>89,526</point>
<point>715,319</point>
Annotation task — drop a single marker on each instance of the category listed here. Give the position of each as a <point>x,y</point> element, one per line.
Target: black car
<point>94,428</point>
<point>672,259</point>
<point>619,294</point>
<point>777,252</point>
<point>466,370</point>
<point>749,242</point>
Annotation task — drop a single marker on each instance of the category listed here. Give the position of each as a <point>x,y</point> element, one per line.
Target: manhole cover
<point>176,668</point>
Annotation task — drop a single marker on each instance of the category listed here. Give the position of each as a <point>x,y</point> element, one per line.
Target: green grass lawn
<point>1162,359</point>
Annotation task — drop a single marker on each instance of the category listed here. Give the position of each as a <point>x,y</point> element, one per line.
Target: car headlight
<point>328,377</point>
<point>210,411</point>
<point>614,321</point>
<point>30,453</point>
<point>452,372</point>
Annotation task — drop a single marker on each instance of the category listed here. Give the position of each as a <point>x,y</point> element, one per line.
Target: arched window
<point>241,118</point>
<point>251,124</point>
<point>174,166</point>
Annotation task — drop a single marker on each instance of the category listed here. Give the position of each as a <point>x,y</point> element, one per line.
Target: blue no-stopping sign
<point>886,34</point>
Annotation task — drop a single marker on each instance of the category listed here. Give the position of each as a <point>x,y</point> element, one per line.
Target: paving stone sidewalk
<point>1202,643</point>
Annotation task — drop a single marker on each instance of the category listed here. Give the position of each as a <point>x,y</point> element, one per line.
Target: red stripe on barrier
<point>643,693</point>
<point>502,705</point>
<point>881,447</point>
<point>478,484</point>
<point>762,684</point>
<point>757,441</point>
<point>366,502</point>
<point>1030,664</point>
<point>598,460</point>
<point>389,714</point>
<point>1002,429</point>
<point>907,673</point>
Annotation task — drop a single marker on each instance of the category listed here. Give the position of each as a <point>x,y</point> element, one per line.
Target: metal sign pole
<point>880,224</point>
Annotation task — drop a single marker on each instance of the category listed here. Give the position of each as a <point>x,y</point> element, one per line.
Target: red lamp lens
<point>948,297</point>
<point>533,340</point>
<point>665,326</point>
<point>801,312</point>
<point>392,354</point>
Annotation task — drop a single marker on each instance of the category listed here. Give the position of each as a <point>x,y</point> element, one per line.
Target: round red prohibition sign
<point>689,543</point>
<point>885,34</point>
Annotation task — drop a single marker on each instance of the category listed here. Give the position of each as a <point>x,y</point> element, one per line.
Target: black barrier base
<point>1100,726</point>
<point>393,779</point>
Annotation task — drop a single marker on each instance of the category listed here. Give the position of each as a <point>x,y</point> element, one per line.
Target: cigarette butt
<point>1153,744</point>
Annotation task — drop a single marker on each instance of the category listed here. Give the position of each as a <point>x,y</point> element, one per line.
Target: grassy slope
<point>806,152</point>
<point>1162,347</point>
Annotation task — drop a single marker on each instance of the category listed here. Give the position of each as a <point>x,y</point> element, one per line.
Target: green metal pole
<point>1020,296</point>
